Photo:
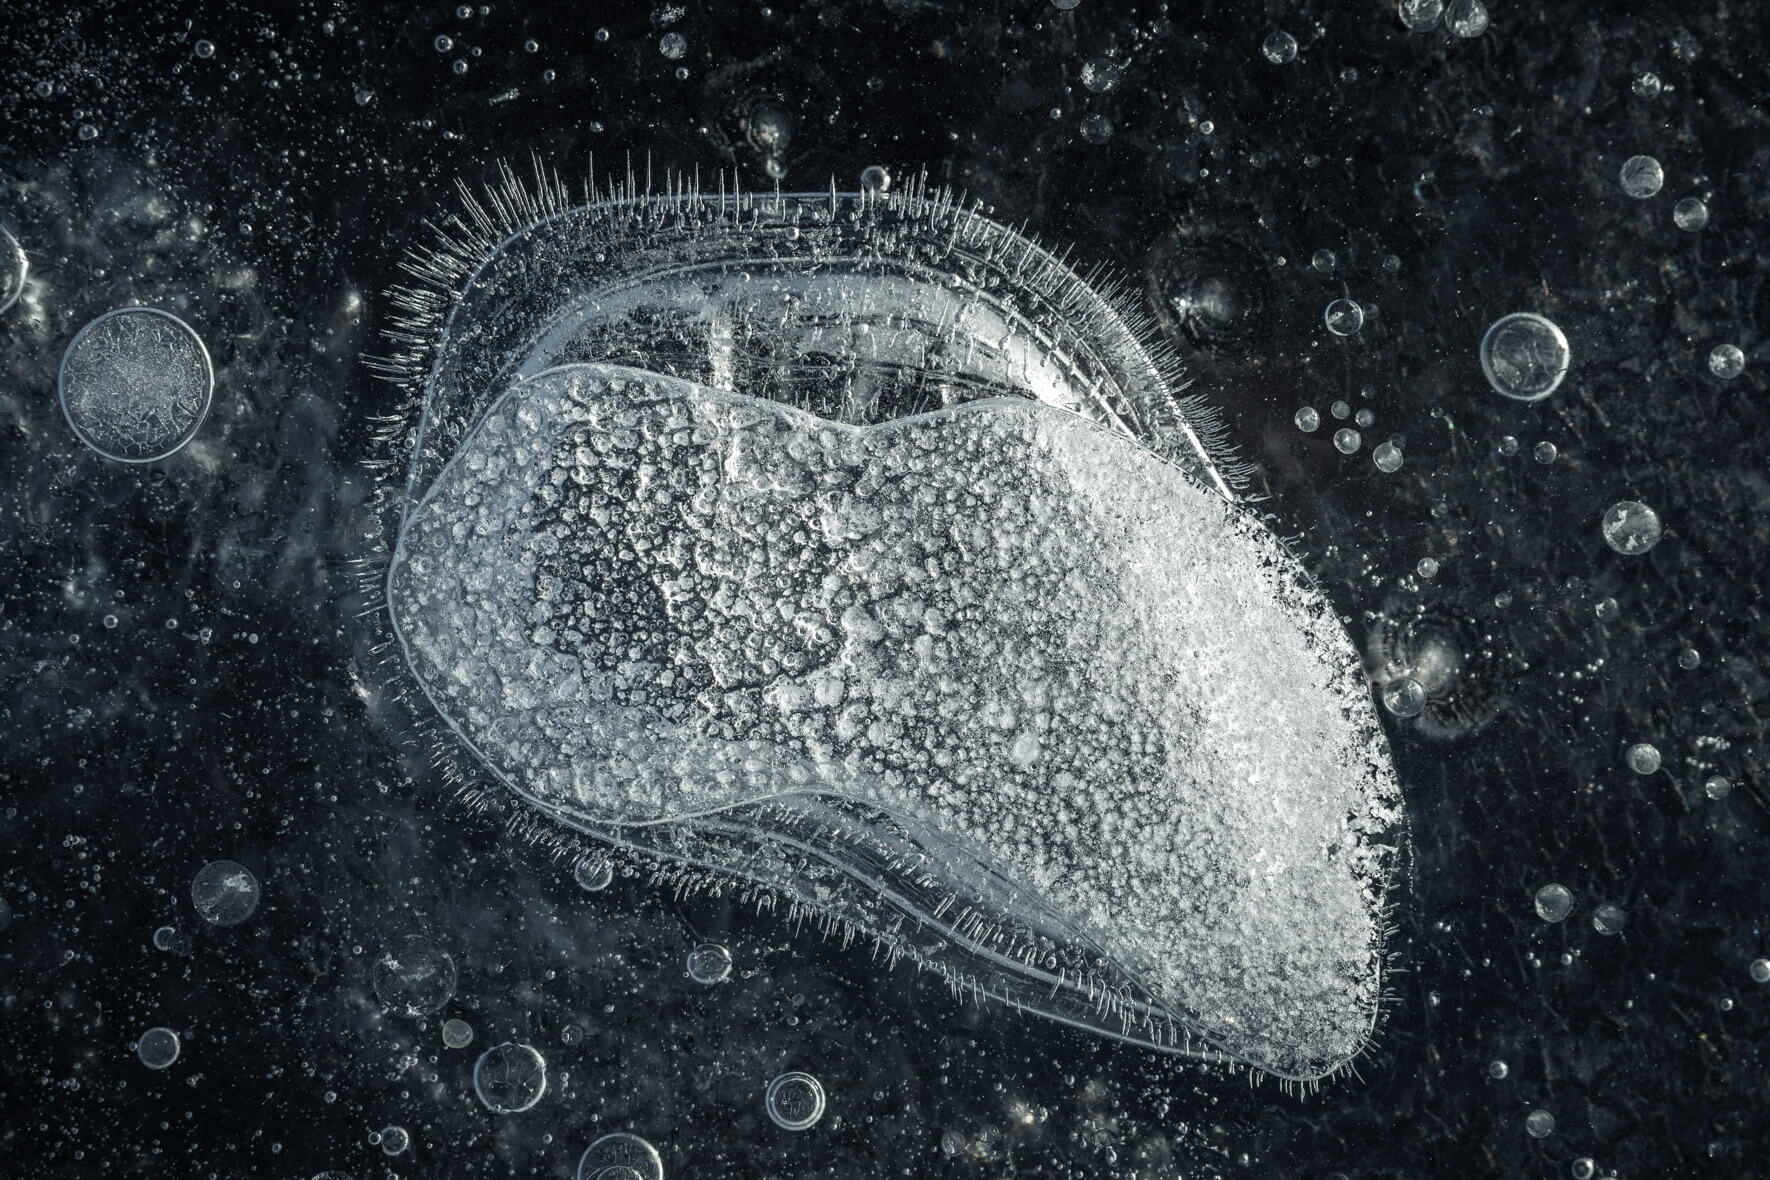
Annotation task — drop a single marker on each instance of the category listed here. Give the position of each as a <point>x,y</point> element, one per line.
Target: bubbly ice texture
<point>994,684</point>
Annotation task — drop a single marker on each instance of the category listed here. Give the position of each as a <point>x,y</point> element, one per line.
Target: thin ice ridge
<point>641,601</point>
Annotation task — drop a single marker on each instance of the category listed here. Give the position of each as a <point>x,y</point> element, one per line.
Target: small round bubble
<point>394,1140</point>
<point>509,1078</point>
<point>1428,567</point>
<point>1759,970</point>
<point>1690,214</point>
<point>594,874</point>
<point>1642,757</point>
<point>1387,457</point>
<point>1420,15</point>
<point>1279,48</point>
<point>1101,74</point>
<point>875,179</point>
<point>1606,609</point>
<point>1689,659</point>
<point>414,976</point>
<point>1647,85</point>
<point>1726,361</point>
<point>158,1048</point>
<point>172,940</point>
<point>204,49</point>
<point>795,1101</point>
<point>673,46</point>
<point>709,963</point>
<point>1323,261</point>
<point>1066,5</point>
<point>1404,697</point>
<point>457,1034</point>
<point>1524,356</point>
<point>1717,787</point>
<point>1341,410</point>
<point>1308,419</point>
<point>1346,440</point>
<point>443,43</point>
<point>1497,1070</point>
<point>1466,18</point>
<point>1539,1124</point>
<point>1096,129</point>
<point>1343,317</point>
<point>1609,918</point>
<point>1584,1168</point>
<point>1631,527</point>
<point>1365,419</point>
<point>1554,902</point>
<point>1642,177</point>
<point>1544,452</point>
<point>224,892</point>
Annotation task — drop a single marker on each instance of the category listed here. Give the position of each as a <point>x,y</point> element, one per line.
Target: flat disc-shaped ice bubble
<point>136,384</point>
<point>994,684</point>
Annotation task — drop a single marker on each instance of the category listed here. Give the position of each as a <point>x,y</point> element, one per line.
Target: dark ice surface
<point>265,192</point>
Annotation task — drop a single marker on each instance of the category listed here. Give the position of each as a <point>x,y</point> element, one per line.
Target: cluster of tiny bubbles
<point>1643,758</point>
<point>1466,18</point>
<point>1642,177</point>
<point>1554,902</point>
<point>594,874</point>
<point>1608,918</point>
<point>1308,419</point>
<point>1343,317</point>
<point>1420,15</point>
<point>1544,452</point>
<point>1096,129</point>
<point>1346,440</point>
<point>1404,697</point>
<point>393,1139</point>
<point>709,963</point>
<point>1690,214</point>
<point>1726,361</point>
<point>673,46</point>
<point>1760,970</point>
<point>224,892</point>
<point>135,384</point>
<point>620,1156</point>
<point>1428,567</point>
<point>1717,788</point>
<point>875,179</point>
<point>14,266</point>
<point>795,1101</point>
<point>157,1048</point>
<point>456,1033</point>
<point>510,1078</point>
<point>1631,527</point>
<point>1280,48</point>
<point>416,977</point>
<point>1497,1070</point>
<point>1524,356</point>
<point>1387,457</point>
<point>172,940</point>
<point>1584,1168</point>
<point>1539,1124</point>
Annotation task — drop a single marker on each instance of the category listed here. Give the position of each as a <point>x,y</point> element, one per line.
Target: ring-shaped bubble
<point>136,384</point>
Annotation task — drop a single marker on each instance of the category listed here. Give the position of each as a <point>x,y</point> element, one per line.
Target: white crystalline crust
<point>1108,689</point>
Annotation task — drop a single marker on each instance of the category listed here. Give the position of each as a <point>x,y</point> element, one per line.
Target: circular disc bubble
<point>416,977</point>
<point>510,1078</point>
<point>457,1034</point>
<point>709,963</point>
<point>593,874</point>
<point>1524,356</point>
<point>1631,527</point>
<point>136,384</point>
<point>621,1157</point>
<point>13,268</point>
<point>224,892</point>
<point>795,1101</point>
<point>1554,902</point>
<point>157,1048</point>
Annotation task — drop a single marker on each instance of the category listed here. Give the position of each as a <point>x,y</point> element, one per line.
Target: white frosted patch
<point>1023,638</point>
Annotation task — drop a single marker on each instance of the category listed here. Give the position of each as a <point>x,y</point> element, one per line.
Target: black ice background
<point>231,713</point>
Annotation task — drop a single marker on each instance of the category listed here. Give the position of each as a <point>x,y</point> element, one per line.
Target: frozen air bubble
<point>1544,452</point>
<point>1524,356</point>
<point>224,892</point>
<point>1404,697</point>
<point>1341,409</point>
<point>14,267</point>
<point>1387,457</point>
<point>394,1140</point>
<point>1365,419</point>
<point>415,977</point>
<point>1717,787</point>
<point>509,1078</point>
<point>594,874</point>
<point>673,46</point>
<point>1427,568</point>
<point>620,1156</point>
<point>1347,440</point>
<point>172,941</point>
<point>1497,1070</point>
<point>1323,261</point>
<point>1539,1124</point>
<point>204,49</point>
<point>1647,85</point>
<point>1584,1168</point>
<point>1101,74</point>
<point>1726,361</point>
<point>456,1034</point>
<point>1420,15</point>
<point>1308,419</point>
<point>795,1101</point>
<point>1466,18</point>
<point>1690,214</point>
<point>1280,48</point>
<point>709,963</point>
<point>158,1048</point>
<point>1631,527</point>
<point>1343,317</point>
<point>1642,177</point>
<point>136,384</point>
<point>1096,129</point>
<point>1689,659</point>
<point>1554,902</point>
<point>1759,970</point>
<point>1643,758</point>
<point>1508,445</point>
<point>1608,918</point>
<point>1053,431</point>
<point>1606,609</point>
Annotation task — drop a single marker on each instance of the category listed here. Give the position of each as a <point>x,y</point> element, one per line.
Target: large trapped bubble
<point>854,546</point>
<point>158,1048</point>
<point>1631,527</point>
<point>14,266</point>
<point>1524,356</point>
<point>136,384</point>
<point>620,1156</point>
<point>509,1078</point>
<point>224,892</point>
<point>415,977</point>
<point>795,1101</point>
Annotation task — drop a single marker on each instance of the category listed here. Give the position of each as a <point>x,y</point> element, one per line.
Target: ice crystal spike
<point>856,548</point>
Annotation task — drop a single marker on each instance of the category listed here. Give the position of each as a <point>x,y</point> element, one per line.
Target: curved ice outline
<point>202,416</point>
<point>1162,1027</point>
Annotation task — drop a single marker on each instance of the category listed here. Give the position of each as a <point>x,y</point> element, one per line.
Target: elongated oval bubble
<point>855,547</point>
